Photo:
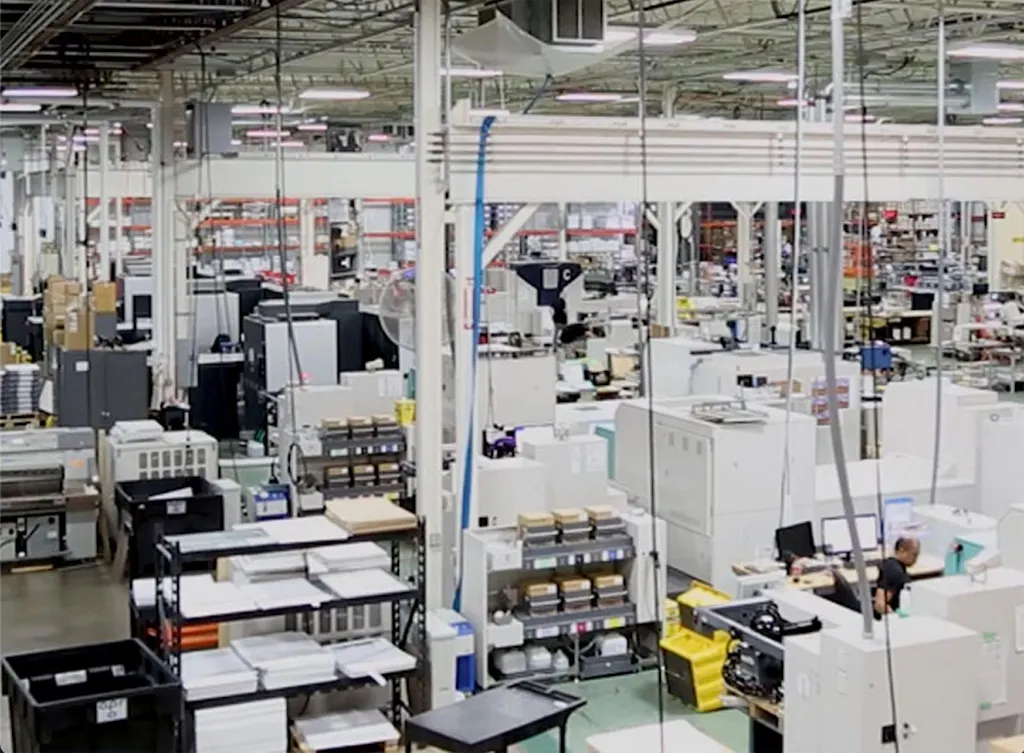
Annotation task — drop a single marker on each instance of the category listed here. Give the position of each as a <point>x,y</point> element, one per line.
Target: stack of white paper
<point>360,584</point>
<point>311,529</point>
<point>263,567</point>
<point>255,727</point>
<point>372,657</point>
<point>208,599</point>
<point>362,555</point>
<point>290,592</point>
<point>346,729</point>
<point>216,673</point>
<point>286,659</point>
<point>144,589</point>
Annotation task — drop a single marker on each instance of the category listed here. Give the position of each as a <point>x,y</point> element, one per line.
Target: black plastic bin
<point>113,697</point>
<point>199,509</point>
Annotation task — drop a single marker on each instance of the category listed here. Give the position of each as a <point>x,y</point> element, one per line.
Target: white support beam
<point>745,212</point>
<point>104,203</point>
<point>431,269</point>
<point>668,251</point>
<point>506,233</point>
<point>772,267</point>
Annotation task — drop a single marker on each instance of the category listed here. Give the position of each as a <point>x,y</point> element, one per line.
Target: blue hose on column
<point>468,461</point>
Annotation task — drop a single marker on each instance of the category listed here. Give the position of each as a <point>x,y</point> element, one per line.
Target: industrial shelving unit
<point>408,608</point>
<point>495,558</point>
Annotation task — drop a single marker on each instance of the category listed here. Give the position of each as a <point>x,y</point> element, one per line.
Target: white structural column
<point>745,212</point>
<point>163,254</point>
<point>104,249</point>
<point>668,242</point>
<point>116,238</point>
<point>430,290</point>
<point>771,264</point>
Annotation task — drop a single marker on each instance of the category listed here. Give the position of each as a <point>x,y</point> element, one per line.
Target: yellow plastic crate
<point>693,667</point>
<point>699,595</point>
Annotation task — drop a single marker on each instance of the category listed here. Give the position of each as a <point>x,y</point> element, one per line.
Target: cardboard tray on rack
<point>362,515</point>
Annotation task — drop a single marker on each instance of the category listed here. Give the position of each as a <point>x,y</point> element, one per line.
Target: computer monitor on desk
<point>795,542</point>
<point>835,534</point>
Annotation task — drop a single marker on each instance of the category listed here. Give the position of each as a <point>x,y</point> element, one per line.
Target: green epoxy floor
<point>632,701</point>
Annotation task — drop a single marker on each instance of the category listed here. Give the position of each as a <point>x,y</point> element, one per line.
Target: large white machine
<point>992,604</point>
<point>1011,537</point>
<point>939,526</point>
<point>837,697</point>
<point>718,474</point>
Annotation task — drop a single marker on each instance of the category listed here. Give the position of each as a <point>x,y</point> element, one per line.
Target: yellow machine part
<point>693,667</point>
<point>670,618</point>
<point>699,595</point>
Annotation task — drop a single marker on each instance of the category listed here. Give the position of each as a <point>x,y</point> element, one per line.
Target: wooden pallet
<point>17,421</point>
<point>766,712</point>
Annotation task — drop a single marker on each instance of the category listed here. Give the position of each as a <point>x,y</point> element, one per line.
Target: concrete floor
<point>85,605</point>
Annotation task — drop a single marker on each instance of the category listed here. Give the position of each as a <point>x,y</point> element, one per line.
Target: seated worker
<point>893,577</point>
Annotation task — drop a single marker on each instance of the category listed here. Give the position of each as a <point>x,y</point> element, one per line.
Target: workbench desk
<point>927,566</point>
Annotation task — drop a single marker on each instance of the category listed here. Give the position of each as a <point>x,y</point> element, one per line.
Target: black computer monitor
<point>795,541</point>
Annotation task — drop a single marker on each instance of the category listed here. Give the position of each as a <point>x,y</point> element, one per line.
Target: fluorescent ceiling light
<point>41,92</point>
<point>1002,121</point>
<point>618,34</point>
<point>96,131</point>
<point>260,110</point>
<point>236,142</point>
<point>790,102</point>
<point>858,118</point>
<point>292,144</point>
<point>86,139</point>
<point>378,137</point>
<point>988,51</point>
<point>180,144</point>
<point>467,72</point>
<point>335,95</point>
<point>1010,107</point>
<point>19,107</point>
<point>589,97</point>
<point>761,77</point>
<point>261,133</point>
<point>1011,85</point>
<point>312,127</point>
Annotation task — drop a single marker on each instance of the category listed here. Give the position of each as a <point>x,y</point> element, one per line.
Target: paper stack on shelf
<point>289,592</point>
<point>286,659</point>
<point>256,727</point>
<point>207,599</point>
<point>346,729</point>
<point>216,673</point>
<point>310,529</point>
<point>372,657</point>
<point>144,589</point>
<point>213,540</point>
<point>360,584</point>
<point>263,567</point>
<point>363,555</point>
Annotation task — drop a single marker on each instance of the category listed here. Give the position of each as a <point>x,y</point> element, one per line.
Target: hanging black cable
<point>295,366</point>
<point>865,242</point>
<point>647,383</point>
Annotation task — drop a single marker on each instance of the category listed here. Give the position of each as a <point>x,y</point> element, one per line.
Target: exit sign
<point>999,215</point>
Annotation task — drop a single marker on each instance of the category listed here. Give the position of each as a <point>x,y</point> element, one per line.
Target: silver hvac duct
<point>972,90</point>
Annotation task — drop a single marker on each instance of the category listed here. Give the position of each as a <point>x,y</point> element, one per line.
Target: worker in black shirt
<point>893,577</point>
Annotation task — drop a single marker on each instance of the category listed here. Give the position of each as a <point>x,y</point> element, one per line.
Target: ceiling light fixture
<point>858,118</point>
<point>761,77</point>
<point>988,51</point>
<point>293,144</point>
<point>40,92</point>
<point>618,34</point>
<point>312,127</point>
<point>589,97</point>
<point>335,95</point>
<point>236,142</point>
<point>791,102</point>
<point>260,110</point>
<point>96,131</point>
<point>1011,85</point>
<point>261,133</point>
<point>1010,107</point>
<point>1002,121</point>
<point>467,72</point>
<point>378,138</point>
<point>19,107</point>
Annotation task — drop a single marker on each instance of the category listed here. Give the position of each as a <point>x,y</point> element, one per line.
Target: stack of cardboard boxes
<point>69,313</point>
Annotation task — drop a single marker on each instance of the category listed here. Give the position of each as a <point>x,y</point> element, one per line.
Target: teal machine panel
<point>608,432</point>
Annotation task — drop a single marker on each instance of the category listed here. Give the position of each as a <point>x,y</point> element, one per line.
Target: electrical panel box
<point>934,664</point>
<point>991,604</point>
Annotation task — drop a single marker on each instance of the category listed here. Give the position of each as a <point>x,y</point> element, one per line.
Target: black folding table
<point>494,720</point>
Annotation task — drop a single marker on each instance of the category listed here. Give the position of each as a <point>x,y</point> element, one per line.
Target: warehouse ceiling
<point>226,49</point>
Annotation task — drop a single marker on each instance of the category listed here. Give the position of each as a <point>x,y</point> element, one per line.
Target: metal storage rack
<point>408,610</point>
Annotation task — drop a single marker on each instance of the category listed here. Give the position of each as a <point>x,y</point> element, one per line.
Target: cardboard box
<point>8,354</point>
<point>1007,745</point>
<point>79,326</point>
<point>105,297</point>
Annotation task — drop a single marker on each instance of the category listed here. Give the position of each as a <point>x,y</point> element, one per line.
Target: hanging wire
<point>943,248</point>
<point>801,97</point>
<point>865,238</point>
<point>645,326</point>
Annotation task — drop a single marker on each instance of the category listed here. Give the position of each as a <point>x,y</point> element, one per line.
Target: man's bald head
<point>907,550</point>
